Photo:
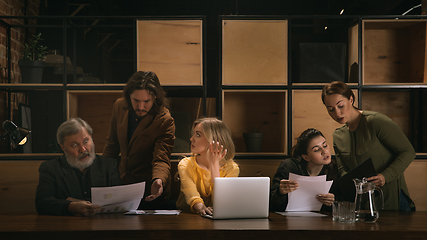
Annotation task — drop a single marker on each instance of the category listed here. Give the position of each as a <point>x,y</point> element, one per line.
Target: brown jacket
<point>147,156</point>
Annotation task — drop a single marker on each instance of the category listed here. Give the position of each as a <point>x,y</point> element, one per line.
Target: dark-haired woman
<point>367,134</point>
<point>311,157</point>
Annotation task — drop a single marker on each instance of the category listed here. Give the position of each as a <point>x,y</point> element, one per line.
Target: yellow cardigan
<point>196,184</point>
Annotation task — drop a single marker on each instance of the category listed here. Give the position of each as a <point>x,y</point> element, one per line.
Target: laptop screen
<point>241,197</point>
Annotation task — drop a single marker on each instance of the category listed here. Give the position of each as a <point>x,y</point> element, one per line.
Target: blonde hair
<point>215,130</point>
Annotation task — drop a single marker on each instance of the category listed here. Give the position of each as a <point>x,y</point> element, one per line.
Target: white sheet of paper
<point>296,177</point>
<point>119,198</point>
<point>153,212</point>
<point>120,207</point>
<point>304,198</point>
<point>302,214</point>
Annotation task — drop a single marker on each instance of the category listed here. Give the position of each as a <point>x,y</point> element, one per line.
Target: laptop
<point>345,187</point>
<point>240,197</point>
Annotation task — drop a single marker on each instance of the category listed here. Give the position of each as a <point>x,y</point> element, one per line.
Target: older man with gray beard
<point>65,182</point>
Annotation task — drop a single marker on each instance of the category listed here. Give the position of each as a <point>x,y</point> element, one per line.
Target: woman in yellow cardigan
<point>212,156</point>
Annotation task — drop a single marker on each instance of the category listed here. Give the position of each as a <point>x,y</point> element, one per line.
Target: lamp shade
<point>15,133</point>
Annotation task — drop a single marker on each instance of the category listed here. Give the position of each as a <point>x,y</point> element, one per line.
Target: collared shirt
<point>132,123</point>
<point>85,183</point>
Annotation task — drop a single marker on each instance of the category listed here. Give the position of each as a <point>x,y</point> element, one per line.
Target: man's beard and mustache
<point>140,113</point>
<point>75,161</point>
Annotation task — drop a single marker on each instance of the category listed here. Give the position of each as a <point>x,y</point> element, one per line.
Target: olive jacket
<point>379,138</point>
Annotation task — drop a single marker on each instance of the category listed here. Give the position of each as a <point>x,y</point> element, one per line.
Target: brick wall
<point>18,36</point>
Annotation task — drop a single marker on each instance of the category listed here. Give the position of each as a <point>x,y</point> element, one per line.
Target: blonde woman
<point>212,153</point>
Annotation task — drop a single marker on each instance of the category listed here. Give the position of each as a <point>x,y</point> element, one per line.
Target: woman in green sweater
<point>368,134</point>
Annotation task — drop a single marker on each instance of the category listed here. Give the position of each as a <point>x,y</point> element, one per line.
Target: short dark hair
<point>146,81</point>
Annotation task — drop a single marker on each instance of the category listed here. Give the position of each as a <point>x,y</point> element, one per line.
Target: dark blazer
<point>147,155</point>
<point>58,181</point>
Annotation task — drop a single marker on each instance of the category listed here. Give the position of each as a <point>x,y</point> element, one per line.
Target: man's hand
<point>156,190</point>
<point>84,208</point>
<point>74,199</point>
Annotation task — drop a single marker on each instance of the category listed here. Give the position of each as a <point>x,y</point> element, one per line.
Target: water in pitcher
<point>366,216</point>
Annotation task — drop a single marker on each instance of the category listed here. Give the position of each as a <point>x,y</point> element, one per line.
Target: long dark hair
<point>300,148</point>
<point>146,81</point>
<point>303,140</point>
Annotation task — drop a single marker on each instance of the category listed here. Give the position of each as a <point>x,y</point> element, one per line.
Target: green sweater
<point>379,138</point>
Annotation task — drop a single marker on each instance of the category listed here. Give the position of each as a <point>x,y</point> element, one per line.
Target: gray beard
<point>75,163</point>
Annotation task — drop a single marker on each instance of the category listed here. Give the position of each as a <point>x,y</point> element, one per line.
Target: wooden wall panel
<point>258,168</point>
<point>18,183</point>
<point>416,179</point>
<point>19,179</point>
<point>254,52</point>
<point>394,104</point>
<point>309,112</point>
<point>266,109</point>
<point>172,49</point>
<point>95,107</point>
<point>394,51</point>
<point>353,54</point>
<point>185,111</point>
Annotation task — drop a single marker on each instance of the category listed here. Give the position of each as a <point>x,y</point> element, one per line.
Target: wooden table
<point>390,225</point>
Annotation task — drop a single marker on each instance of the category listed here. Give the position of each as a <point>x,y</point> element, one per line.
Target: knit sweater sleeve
<point>393,137</point>
<point>188,182</point>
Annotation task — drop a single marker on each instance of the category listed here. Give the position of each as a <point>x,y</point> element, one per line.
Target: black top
<point>85,183</point>
<point>278,202</point>
<point>133,122</point>
<point>58,181</point>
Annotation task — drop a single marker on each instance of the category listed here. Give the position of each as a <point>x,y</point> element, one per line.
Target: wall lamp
<point>18,136</point>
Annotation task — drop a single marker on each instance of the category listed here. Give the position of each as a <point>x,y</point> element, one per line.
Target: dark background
<point>116,66</point>
<point>115,63</point>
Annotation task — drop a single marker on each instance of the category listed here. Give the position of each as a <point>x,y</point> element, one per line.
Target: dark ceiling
<point>212,8</point>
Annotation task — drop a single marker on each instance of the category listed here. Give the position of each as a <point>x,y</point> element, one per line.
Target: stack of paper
<point>118,199</point>
<point>304,198</point>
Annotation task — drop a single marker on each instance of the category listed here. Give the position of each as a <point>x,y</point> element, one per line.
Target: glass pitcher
<point>366,209</point>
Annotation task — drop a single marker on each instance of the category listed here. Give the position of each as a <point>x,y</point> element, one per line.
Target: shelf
<point>394,51</point>
<point>185,111</point>
<point>406,108</point>
<point>308,111</point>
<point>254,52</point>
<point>353,54</point>
<point>95,107</point>
<point>394,104</point>
<point>29,86</point>
<point>173,49</point>
<point>263,108</point>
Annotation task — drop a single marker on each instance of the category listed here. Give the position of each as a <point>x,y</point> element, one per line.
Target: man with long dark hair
<point>142,134</point>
